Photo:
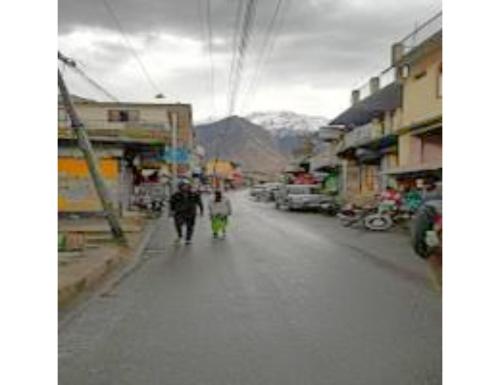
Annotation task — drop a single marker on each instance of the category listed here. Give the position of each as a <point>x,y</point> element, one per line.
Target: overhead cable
<point>131,48</point>
<point>72,63</point>
<point>265,53</point>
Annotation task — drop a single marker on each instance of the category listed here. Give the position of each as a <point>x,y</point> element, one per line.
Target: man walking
<point>183,208</point>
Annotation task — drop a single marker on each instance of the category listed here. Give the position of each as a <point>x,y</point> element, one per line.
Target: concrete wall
<point>222,168</point>
<point>76,192</point>
<point>421,103</point>
<point>420,89</point>
<point>96,114</point>
<point>432,148</point>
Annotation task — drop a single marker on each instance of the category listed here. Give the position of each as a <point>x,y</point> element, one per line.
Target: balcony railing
<point>358,136</point>
<point>422,33</point>
<point>329,133</point>
<point>363,135</point>
<point>385,77</point>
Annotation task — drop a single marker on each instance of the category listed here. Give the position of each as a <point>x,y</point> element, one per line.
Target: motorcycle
<point>153,206</point>
<point>386,217</point>
<point>352,214</point>
<point>329,208</point>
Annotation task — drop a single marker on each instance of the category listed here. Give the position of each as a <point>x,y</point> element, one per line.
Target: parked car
<point>255,190</point>
<point>269,192</point>
<point>301,197</point>
<point>265,191</point>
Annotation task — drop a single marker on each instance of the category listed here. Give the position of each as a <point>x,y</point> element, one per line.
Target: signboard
<point>180,155</point>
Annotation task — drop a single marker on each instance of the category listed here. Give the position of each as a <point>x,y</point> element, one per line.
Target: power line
<point>248,22</point>
<point>236,37</point>
<point>131,48</point>
<point>242,36</point>
<point>266,51</point>
<point>72,63</point>
<point>210,55</point>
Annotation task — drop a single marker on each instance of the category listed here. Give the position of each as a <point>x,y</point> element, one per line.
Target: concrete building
<point>364,137</point>
<point>418,61</point>
<point>392,133</point>
<point>223,171</point>
<point>133,144</point>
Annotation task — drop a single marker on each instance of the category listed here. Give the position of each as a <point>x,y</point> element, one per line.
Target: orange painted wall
<point>76,192</point>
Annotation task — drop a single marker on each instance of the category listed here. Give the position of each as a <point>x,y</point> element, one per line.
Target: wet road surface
<point>287,298</point>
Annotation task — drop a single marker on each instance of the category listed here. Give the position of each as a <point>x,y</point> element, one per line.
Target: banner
<point>180,155</point>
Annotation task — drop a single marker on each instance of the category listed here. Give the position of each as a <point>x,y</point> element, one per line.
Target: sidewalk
<point>92,254</point>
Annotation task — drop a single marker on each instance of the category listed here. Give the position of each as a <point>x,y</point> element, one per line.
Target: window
<point>123,115</point>
<point>440,82</point>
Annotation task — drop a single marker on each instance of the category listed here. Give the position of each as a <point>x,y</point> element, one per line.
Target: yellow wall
<point>420,103</point>
<point>76,191</point>
<point>420,96</point>
<point>404,149</point>
<point>223,167</point>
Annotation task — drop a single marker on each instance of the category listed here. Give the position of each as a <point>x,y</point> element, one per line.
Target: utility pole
<point>92,164</point>
<point>173,121</point>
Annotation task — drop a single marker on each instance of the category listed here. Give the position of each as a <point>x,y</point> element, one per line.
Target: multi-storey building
<point>392,132</point>
<point>418,62</point>
<point>133,144</point>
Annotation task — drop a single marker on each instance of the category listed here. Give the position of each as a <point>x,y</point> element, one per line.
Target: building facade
<point>365,139</point>
<point>418,61</point>
<point>392,132</point>
<point>132,142</point>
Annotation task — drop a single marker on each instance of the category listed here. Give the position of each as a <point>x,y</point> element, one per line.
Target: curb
<point>111,276</point>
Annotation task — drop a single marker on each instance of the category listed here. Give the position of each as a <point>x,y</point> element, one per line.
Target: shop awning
<point>414,169</point>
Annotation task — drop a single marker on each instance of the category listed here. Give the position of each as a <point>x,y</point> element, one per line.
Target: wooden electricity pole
<point>86,147</point>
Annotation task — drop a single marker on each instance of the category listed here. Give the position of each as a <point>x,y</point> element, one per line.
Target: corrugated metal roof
<point>386,99</point>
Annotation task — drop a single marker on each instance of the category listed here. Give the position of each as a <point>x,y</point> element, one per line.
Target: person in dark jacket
<point>183,208</point>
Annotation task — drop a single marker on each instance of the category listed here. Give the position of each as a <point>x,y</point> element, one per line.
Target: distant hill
<point>241,141</point>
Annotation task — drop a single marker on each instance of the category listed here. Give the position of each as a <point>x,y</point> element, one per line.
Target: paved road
<point>287,299</point>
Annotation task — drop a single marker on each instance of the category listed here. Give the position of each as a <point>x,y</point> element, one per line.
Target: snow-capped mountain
<point>286,121</point>
<point>288,129</point>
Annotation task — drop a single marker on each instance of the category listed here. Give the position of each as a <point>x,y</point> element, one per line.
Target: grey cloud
<point>321,43</point>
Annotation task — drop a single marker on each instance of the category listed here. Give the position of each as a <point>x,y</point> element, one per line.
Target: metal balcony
<point>330,133</point>
<point>422,33</point>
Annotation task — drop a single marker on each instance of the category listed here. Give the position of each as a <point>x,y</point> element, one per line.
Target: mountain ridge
<point>239,140</point>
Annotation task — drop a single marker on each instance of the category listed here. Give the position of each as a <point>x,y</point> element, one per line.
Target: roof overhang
<point>386,99</point>
<point>424,167</point>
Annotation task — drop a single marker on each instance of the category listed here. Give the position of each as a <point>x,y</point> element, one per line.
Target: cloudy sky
<point>319,51</point>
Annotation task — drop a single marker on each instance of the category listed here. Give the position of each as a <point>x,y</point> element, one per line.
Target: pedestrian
<point>220,209</point>
<point>183,208</point>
